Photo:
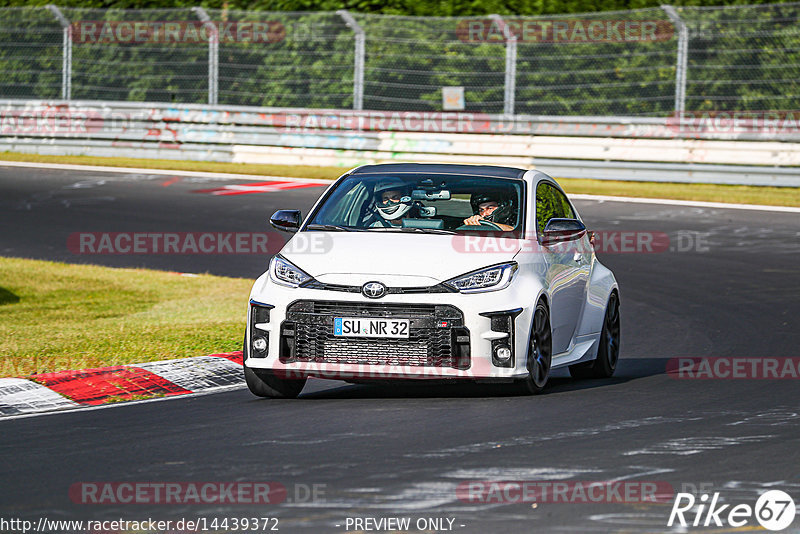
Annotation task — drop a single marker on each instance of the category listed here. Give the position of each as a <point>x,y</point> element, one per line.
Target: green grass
<point>740,194</point>
<point>735,194</point>
<point>295,171</point>
<point>56,316</point>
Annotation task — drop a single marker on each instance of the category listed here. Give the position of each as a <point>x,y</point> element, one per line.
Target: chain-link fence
<point>649,62</point>
<point>743,58</point>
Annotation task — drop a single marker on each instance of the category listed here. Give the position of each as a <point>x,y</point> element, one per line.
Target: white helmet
<point>392,210</point>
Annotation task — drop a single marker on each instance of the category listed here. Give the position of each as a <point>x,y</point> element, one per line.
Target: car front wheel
<point>263,383</point>
<point>540,352</point>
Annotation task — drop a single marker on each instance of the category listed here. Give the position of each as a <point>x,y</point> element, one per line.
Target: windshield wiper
<point>413,229</point>
<point>430,231</point>
<point>337,228</point>
<point>332,227</point>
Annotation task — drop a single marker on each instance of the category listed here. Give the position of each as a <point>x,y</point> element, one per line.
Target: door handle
<point>578,257</point>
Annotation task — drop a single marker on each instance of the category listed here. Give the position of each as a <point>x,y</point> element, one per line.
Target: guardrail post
<point>66,60</point>
<point>358,66</point>
<point>213,55</point>
<point>510,90</point>
<point>681,66</point>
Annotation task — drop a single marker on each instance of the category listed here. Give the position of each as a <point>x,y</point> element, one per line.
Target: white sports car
<point>429,271</point>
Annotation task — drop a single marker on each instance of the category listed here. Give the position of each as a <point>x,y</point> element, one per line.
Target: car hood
<point>398,259</point>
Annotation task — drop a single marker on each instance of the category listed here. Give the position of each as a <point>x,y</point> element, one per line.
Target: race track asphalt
<point>402,451</point>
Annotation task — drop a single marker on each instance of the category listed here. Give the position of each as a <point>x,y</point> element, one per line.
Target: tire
<point>539,356</point>
<point>263,383</point>
<point>608,350</point>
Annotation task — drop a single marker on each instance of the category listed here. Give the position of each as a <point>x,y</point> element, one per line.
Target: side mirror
<point>286,220</point>
<point>560,230</point>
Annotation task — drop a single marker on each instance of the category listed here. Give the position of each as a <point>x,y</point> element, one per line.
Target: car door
<point>567,267</point>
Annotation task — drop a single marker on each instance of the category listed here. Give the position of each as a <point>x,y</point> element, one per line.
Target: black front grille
<point>438,288</point>
<point>405,311</point>
<point>437,336</point>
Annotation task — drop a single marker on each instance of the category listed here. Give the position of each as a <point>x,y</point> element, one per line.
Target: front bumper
<point>453,335</point>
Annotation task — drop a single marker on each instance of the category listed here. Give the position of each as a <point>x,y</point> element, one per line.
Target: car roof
<point>441,168</point>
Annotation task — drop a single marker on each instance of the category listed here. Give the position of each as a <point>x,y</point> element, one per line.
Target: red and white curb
<point>92,387</point>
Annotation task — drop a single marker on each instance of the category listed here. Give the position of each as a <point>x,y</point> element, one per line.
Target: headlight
<point>491,278</point>
<point>285,273</point>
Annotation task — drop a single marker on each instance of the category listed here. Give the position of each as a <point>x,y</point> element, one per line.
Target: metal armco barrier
<point>625,148</point>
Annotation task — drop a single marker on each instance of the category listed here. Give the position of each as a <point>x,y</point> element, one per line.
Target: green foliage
<point>746,58</point>
<point>443,8</point>
<point>550,204</point>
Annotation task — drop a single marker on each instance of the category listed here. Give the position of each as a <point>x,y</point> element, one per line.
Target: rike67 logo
<point>774,510</point>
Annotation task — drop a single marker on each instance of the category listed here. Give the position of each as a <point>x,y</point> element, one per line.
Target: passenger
<point>392,202</point>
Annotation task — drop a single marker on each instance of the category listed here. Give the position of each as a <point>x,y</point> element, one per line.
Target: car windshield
<point>421,203</point>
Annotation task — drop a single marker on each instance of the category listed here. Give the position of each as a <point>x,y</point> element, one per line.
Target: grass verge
<point>734,194</point>
<point>57,316</point>
<point>295,171</point>
<point>740,194</point>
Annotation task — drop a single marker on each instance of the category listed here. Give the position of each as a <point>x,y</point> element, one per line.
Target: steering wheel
<point>490,224</point>
<point>487,225</point>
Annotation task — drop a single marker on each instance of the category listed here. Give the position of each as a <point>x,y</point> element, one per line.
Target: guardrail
<point>624,148</point>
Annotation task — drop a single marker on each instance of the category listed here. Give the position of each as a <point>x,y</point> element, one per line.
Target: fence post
<point>509,93</point>
<point>213,55</point>
<point>681,67</point>
<point>66,60</point>
<point>358,66</point>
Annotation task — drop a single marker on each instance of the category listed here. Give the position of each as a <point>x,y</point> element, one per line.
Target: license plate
<point>366,327</point>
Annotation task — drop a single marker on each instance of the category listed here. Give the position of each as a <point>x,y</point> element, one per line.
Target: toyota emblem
<point>373,290</point>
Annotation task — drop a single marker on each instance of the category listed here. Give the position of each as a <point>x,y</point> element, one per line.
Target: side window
<point>566,211</point>
<point>550,204</point>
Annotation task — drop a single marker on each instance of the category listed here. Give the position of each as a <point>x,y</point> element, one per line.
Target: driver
<point>392,202</point>
<point>492,207</point>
